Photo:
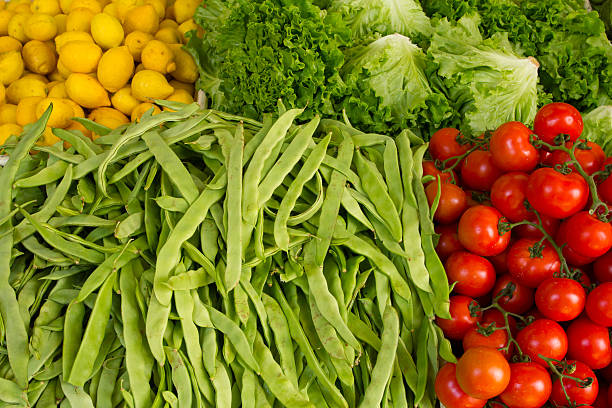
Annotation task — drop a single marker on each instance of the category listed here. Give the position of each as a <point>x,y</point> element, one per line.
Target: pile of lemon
<point>101,59</point>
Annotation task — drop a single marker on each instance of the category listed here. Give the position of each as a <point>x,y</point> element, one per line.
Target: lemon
<point>13,4</point>
<point>58,90</point>
<point>2,94</point>
<point>169,13</point>
<point>11,67</point>
<point>48,138</point>
<point>79,19</point>
<point>9,129</point>
<point>65,6</point>
<point>38,77</point>
<point>26,110</point>
<point>142,108</point>
<point>111,10</point>
<point>16,27</point>
<point>8,113</point>
<point>80,56</point>
<point>147,85</point>
<point>123,100</point>
<point>69,36</point>
<point>179,95</point>
<point>109,117</point>
<point>158,56</point>
<point>167,23</point>
<point>136,41</point>
<point>60,115</point>
<point>115,68</point>
<point>185,9</point>
<point>50,7</point>
<point>92,5</point>
<point>23,8</point>
<point>9,44</point>
<point>40,27</point>
<point>139,68</point>
<point>188,26</point>
<point>183,85</point>
<point>60,22</point>
<point>77,111</point>
<point>186,68</point>
<point>62,70</point>
<point>39,57</point>
<point>169,35</point>
<point>24,87</point>
<point>56,76</point>
<point>77,126</point>
<point>86,91</point>
<point>141,18</point>
<point>106,31</point>
<point>5,17</point>
<point>159,6</point>
<point>3,5</point>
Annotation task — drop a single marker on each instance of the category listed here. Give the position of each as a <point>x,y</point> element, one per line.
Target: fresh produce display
<point>524,231</point>
<point>104,61</point>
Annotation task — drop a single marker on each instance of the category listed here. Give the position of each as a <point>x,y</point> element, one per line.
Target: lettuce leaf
<point>598,127</point>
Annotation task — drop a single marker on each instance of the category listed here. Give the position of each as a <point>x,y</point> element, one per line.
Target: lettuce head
<point>598,127</point>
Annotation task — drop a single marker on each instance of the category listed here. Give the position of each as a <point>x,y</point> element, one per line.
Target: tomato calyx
<point>535,251</point>
<point>563,370</point>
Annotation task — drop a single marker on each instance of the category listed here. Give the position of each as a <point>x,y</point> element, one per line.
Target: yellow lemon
<point>158,56</point>
<point>148,85</point>
<point>14,3</point>
<point>2,94</point>
<point>169,13</point>
<point>60,22</point>
<point>3,5</point>
<point>179,95</point>
<point>111,10</point>
<point>38,77</point>
<point>169,35</point>
<point>58,90</point>
<point>79,19</point>
<point>9,129</point>
<point>86,91</point>
<point>48,138</point>
<point>65,6</point>
<point>185,9</point>
<point>141,18</point>
<point>106,31</point>
<point>141,109</point>
<point>39,57</point>
<point>8,113</point>
<point>11,67</point>
<point>50,7</point>
<point>77,126</point>
<point>80,56</point>
<point>60,115</point>
<point>24,87</point>
<point>9,44</point>
<point>188,26</point>
<point>115,68</point>
<point>5,17</point>
<point>186,68</point>
<point>26,110</point>
<point>40,27</point>
<point>62,70</point>
<point>70,36</point>
<point>109,117</point>
<point>136,41</point>
<point>159,6</point>
<point>16,27</point>
<point>183,85</point>
<point>167,23</point>
<point>104,3</point>
<point>123,100</point>
<point>78,112</point>
<point>139,68</point>
<point>23,8</point>
<point>92,5</point>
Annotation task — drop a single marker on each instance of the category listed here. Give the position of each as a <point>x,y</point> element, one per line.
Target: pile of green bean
<point>198,259</point>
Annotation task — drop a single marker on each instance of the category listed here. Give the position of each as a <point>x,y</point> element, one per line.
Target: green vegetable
<point>598,127</point>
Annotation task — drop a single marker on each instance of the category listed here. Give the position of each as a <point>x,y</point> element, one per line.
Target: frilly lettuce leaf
<point>598,127</point>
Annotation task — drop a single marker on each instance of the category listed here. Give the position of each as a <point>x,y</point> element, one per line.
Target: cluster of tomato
<point>524,232</point>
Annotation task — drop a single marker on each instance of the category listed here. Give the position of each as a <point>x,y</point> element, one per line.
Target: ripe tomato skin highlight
<point>475,275</point>
<point>511,149</point>
<point>555,119</point>
<point>545,337</point>
<point>560,299</point>
<point>483,372</point>
<point>521,300</point>
<point>461,320</point>
<point>551,225</point>
<point>430,169</point>
<point>443,145</point>
<point>556,195</point>
<point>590,237</point>
<point>478,171</point>
<point>453,201</point>
<point>579,395</point>
<point>531,271</point>
<point>599,304</point>
<point>508,196</point>
<point>450,393</point>
<point>478,231</point>
<point>589,342</point>
<point>602,267</point>
<point>448,242</point>
<point>530,386</point>
<point>590,159</point>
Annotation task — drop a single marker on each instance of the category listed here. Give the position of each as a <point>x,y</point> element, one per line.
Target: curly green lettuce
<point>598,127</point>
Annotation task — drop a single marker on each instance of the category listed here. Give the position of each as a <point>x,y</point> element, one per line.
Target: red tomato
<point>508,196</point>
<point>555,194</point>
<point>521,300</point>
<point>498,339</point>
<point>475,275</point>
<point>495,316</point>
<point>560,299</point>
<point>511,149</point>
<point>610,395</point>
<point>479,233</point>
<point>589,342</point>
<point>551,225</point>
<point>450,394</point>
<point>577,393</point>
<point>545,337</point>
<point>555,119</point>
<point>448,242</point>
<point>604,187</point>
<point>430,169</point>
<point>602,397</point>
<point>599,304</point>
<point>590,237</point>
<point>453,201</point>
<point>602,268</point>
<point>531,270</point>
<point>478,171</point>
<point>529,387</point>
<point>500,262</point>
<point>461,320</point>
<point>590,159</point>
<point>476,197</point>
<point>571,256</point>
<point>483,372</point>
<point>444,145</point>
<point>545,156</point>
